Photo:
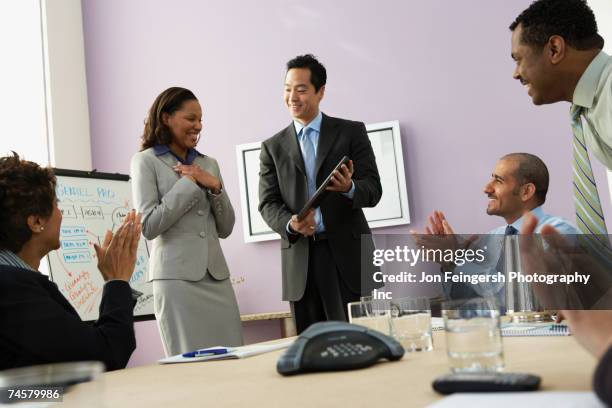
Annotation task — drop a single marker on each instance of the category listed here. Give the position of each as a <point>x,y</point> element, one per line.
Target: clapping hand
<point>117,254</point>
<point>592,328</point>
<point>561,257</point>
<point>438,233</point>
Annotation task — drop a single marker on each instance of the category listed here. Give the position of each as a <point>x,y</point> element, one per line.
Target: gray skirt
<point>193,315</point>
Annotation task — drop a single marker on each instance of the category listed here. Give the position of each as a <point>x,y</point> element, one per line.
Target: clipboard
<point>320,194</point>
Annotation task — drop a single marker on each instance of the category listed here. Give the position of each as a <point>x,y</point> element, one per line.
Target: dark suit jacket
<point>283,192</point>
<point>39,326</point>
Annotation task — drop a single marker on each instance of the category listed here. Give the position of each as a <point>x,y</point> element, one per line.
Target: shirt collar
<point>12,259</point>
<point>161,149</point>
<point>585,91</point>
<point>314,124</point>
<point>538,212</point>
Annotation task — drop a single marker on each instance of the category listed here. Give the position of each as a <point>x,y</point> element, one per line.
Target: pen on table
<point>207,352</point>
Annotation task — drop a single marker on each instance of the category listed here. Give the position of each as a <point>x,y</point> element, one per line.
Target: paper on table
<point>518,329</point>
<point>535,329</point>
<point>437,323</point>
<point>555,399</point>
<point>237,352</point>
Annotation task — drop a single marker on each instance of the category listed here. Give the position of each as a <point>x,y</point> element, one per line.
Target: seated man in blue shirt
<point>518,185</point>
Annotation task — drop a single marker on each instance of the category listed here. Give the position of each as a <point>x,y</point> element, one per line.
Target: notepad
<point>535,329</point>
<point>518,329</point>
<point>236,352</point>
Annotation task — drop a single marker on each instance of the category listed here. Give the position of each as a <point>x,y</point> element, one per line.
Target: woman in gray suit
<point>185,210</point>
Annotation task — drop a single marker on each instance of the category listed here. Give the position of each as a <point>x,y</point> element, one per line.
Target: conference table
<point>254,382</point>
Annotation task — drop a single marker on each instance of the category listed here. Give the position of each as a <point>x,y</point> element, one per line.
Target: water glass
<point>411,323</point>
<point>373,314</point>
<point>473,336</point>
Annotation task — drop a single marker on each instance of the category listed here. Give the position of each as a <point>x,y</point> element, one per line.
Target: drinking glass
<point>473,336</point>
<point>373,314</point>
<point>411,323</point>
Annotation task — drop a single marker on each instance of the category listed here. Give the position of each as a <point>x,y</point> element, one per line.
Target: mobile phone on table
<point>486,382</point>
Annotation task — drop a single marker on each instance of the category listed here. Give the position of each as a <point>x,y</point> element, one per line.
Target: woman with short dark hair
<point>37,324</point>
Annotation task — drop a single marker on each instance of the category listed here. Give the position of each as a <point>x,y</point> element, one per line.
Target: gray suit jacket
<point>184,220</point>
<point>283,191</point>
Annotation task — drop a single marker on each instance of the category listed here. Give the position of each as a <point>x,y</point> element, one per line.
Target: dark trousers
<point>326,295</point>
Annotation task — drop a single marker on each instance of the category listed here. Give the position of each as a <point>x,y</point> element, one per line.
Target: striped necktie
<point>589,214</point>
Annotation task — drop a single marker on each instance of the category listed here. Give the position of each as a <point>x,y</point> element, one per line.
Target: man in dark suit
<point>321,254</point>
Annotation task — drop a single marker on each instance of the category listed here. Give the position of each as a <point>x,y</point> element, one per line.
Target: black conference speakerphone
<point>335,346</point>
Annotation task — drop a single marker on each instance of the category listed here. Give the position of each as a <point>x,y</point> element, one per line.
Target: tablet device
<point>320,194</point>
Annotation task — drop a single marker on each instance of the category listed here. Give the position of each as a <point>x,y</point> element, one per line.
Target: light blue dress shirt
<point>562,225</point>
<point>314,133</point>
<point>493,242</point>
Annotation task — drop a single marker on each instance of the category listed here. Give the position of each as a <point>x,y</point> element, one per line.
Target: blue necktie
<point>510,230</point>
<point>310,156</point>
<point>501,263</point>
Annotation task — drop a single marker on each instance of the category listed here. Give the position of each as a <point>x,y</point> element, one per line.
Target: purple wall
<point>441,67</point>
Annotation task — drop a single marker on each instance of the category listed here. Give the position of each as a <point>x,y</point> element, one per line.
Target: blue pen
<point>207,352</point>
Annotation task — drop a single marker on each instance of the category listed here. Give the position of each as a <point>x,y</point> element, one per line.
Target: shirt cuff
<point>213,194</point>
<point>135,293</point>
<point>351,192</point>
<point>289,230</point>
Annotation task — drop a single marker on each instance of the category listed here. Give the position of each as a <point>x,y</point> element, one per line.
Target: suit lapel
<point>204,164</point>
<point>291,144</point>
<point>327,136</point>
<point>168,159</point>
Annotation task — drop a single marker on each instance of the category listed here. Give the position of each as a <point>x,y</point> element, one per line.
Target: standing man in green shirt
<point>559,57</point>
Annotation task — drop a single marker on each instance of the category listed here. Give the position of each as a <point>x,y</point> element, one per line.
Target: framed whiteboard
<point>91,203</point>
<point>391,210</point>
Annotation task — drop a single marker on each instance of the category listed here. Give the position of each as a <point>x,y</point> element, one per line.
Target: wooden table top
<point>560,361</point>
